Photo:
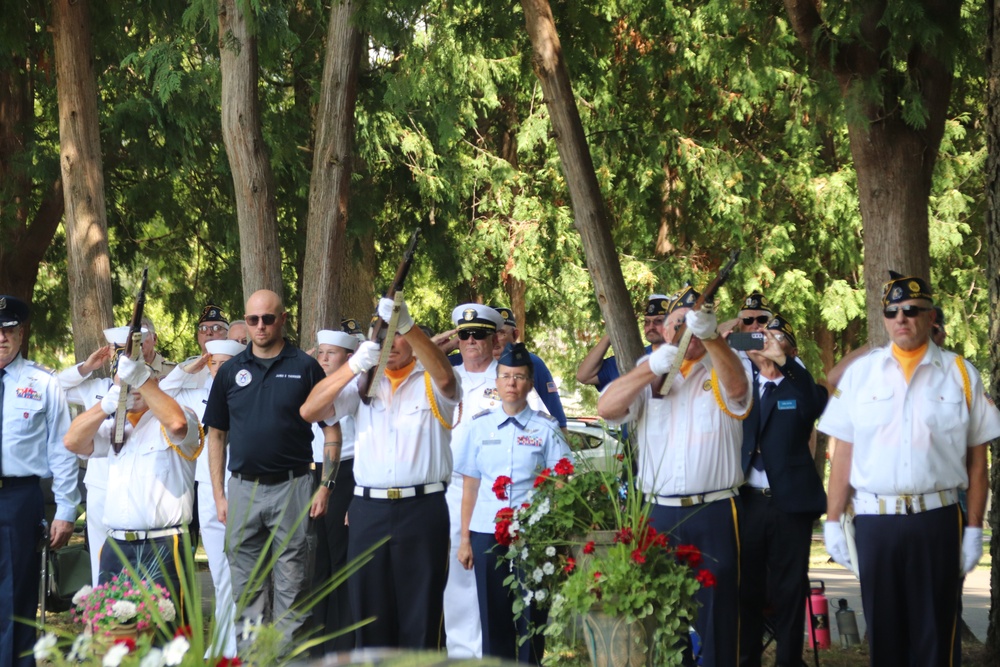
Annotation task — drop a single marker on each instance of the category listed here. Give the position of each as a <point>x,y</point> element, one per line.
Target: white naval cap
<point>118,336</point>
<point>338,338</point>
<point>476,316</point>
<point>229,348</point>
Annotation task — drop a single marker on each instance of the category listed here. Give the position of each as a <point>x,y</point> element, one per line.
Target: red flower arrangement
<point>501,531</point>
<point>542,477</point>
<point>564,467</point>
<point>501,485</point>
<point>127,642</point>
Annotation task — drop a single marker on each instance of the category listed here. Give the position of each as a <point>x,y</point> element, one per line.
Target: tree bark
<point>329,187</point>
<point>589,209</point>
<point>88,263</point>
<point>993,278</point>
<point>249,162</point>
<point>894,161</point>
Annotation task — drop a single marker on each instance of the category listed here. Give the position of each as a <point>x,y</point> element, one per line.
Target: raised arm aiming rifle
<point>367,383</point>
<point>133,350</point>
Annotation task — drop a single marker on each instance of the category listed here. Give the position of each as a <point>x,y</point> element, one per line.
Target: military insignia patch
<point>28,392</point>
<point>914,286</point>
<point>529,441</point>
<point>243,377</point>
<point>469,314</point>
<point>897,292</point>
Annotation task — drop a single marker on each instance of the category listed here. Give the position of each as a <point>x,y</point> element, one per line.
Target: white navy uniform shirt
<point>909,438</point>
<point>496,444</point>
<point>191,390</point>
<point>398,440</point>
<point>344,406</point>
<point>35,420</point>
<point>687,444</point>
<point>150,485</point>
<point>87,392</point>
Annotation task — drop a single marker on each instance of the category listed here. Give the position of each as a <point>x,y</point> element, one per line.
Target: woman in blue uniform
<point>515,441</point>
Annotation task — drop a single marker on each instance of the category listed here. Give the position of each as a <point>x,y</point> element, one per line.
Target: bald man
<point>253,407</point>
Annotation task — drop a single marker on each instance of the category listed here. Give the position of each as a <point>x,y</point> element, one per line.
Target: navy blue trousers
<point>157,560</point>
<point>501,633</point>
<point>402,587</point>
<point>333,612</point>
<point>910,585</point>
<point>20,569</point>
<point>714,529</point>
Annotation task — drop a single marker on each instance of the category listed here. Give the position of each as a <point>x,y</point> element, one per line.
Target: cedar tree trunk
<point>82,176</point>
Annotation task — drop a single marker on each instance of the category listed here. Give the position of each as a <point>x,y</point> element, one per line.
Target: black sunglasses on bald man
<point>908,311</point>
<point>267,319</point>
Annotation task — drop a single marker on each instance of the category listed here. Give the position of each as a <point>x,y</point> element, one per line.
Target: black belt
<point>10,482</point>
<point>274,477</point>
<point>753,490</point>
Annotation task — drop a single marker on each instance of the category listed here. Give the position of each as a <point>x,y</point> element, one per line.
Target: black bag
<point>68,572</point>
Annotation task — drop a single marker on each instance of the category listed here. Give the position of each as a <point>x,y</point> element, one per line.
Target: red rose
<point>126,641</point>
<point>542,477</point>
<point>689,553</point>
<point>564,467</point>
<point>705,578</point>
<point>500,486</point>
<point>570,564</point>
<point>588,548</point>
<point>638,556</point>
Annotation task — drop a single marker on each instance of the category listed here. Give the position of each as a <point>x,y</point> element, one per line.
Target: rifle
<point>685,336</point>
<point>133,350</point>
<point>367,383</point>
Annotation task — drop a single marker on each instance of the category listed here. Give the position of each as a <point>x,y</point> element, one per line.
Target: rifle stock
<point>133,350</point>
<point>365,381</point>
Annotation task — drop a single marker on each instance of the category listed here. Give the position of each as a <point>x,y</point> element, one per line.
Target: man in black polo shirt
<point>254,407</point>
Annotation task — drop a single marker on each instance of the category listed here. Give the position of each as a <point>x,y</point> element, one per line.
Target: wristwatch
<point>330,484</point>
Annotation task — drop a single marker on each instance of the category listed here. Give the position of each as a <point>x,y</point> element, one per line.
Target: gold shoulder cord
<point>201,443</point>
<point>966,383</point>
<point>722,404</point>
<point>434,405</point>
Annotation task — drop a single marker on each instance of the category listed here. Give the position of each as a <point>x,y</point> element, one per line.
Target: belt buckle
<point>907,502</point>
<point>687,501</point>
<point>393,494</point>
<point>131,536</point>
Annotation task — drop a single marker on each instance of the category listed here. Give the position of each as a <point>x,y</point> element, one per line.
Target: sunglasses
<point>908,311</point>
<point>268,319</point>
<point>478,334</point>
<point>760,319</point>
<point>215,328</point>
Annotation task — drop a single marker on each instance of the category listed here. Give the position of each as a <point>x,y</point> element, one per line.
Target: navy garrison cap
<point>351,326</point>
<point>515,354</point>
<point>507,314</point>
<point>212,313</point>
<point>779,323</point>
<point>657,304</point>
<point>13,311</point>
<point>901,288</point>
<point>756,301</point>
<point>684,298</point>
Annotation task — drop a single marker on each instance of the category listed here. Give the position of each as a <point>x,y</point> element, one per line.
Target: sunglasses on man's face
<point>477,334</point>
<point>760,319</point>
<point>908,311</point>
<point>268,319</point>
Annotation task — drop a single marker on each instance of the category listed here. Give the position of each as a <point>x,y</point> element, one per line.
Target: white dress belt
<point>400,492</point>
<point>139,535</point>
<point>911,503</point>
<point>691,501</point>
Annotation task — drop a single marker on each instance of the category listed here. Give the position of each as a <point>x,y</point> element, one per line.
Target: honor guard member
<point>86,391</point>
<point>253,409</point>
<point>783,495</point>
<point>755,314</point>
<point>402,464</point>
<point>598,371</point>
<point>150,476</point>
<point>515,441</point>
<point>689,458</point>
<point>177,385</point>
<point>333,612</point>
<point>476,326</point>
<point>913,421</point>
<point>34,417</point>
<point>544,385</point>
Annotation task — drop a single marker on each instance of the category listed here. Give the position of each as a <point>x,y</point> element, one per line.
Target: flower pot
<point>602,539</point>
<point>614,642</point>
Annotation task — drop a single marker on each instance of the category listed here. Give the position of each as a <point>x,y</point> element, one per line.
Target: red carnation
<point>127,642</point>
<point>500,486</point>
<point>689,553</point>
<point>589,547</point>
<point>638,556</point>
<point>542,477</point>
<point>570,564</point>
<point>564,467</point>
<point>705,578</point>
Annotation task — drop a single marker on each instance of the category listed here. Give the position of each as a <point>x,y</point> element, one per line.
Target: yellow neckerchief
<point>908,359</point>
<point>134,417</point>
<point>397,376</point>
<point>688,363</point>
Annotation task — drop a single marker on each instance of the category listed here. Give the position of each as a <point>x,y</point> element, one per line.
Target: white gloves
<point>702,323</point>
<point>133,373</point>
<point>972,548</point>
<point>836,543</point>
<point>403,324</point>
<point>366,356</point>
<point>662,359</point>
<point>109,404</point>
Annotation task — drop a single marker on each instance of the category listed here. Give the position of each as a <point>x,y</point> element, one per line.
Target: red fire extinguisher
<point>818,613</point>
